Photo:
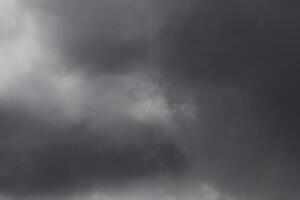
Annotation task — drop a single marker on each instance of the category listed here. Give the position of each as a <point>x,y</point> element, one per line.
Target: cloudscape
<point>149,99</point>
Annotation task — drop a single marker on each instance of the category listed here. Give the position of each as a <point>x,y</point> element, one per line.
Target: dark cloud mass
<point>196,91</point>
<point>252,50</point>
<point>44,157</point>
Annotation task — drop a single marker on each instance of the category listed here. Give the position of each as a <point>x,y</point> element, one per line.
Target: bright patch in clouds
<point>198,192</point>
<point>32,75</point>
<point>29,75</point>
<point>20,50</point>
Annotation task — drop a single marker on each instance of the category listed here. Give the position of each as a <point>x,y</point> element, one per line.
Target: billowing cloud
<point>61,132</point>
<point>149,99</point>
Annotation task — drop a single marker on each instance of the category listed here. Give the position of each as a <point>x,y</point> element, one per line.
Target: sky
<point>149,99</point>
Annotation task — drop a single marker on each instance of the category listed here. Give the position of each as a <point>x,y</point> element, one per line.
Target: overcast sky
<point>149,99</point>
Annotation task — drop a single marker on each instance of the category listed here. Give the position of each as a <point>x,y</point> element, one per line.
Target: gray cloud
<point>239,62</point>
<point>109,36</point>
<point>39,157</point>
<point>224,106</point>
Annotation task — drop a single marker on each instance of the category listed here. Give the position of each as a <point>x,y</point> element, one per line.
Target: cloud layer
<point>97,95</point>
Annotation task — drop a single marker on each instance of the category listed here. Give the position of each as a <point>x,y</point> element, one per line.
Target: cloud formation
<point>96,95</point>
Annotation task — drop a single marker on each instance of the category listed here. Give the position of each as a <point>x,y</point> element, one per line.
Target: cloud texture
<point>149,99</point>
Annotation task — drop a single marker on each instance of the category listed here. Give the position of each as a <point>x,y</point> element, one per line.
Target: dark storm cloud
<point>235,63</point>
<point>240,62</point>
<point>252,47</point>
<point>40,157</point>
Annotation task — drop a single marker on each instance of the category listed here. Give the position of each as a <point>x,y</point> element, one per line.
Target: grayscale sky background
<point>149,99</point>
